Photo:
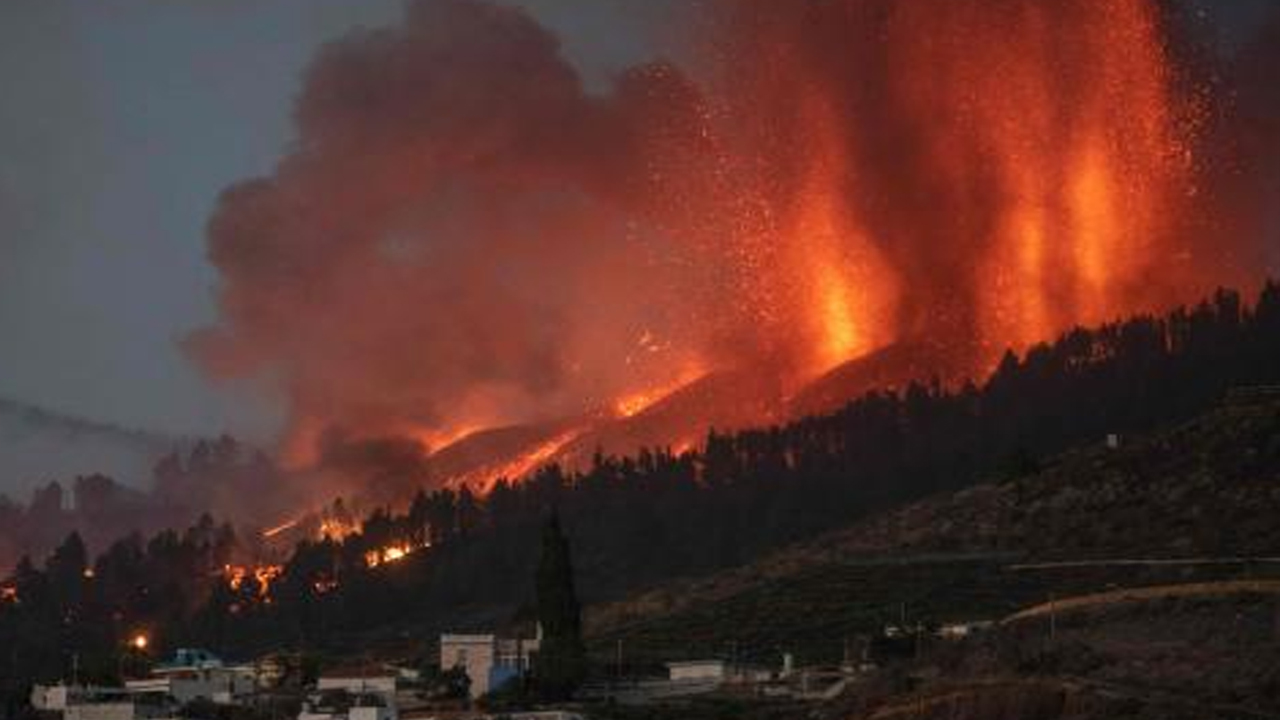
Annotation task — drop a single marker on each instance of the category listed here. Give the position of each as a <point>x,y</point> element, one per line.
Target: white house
<point>197,675</point>
<point>358,681</point>
<point>698,670</point>
<point>339,704</point>
<point>489,661</point>
<point>353,693</point>
<point>96,703</point>
<point>54,698</point>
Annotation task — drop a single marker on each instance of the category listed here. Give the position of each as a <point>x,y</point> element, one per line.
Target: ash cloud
<point>438,248</point>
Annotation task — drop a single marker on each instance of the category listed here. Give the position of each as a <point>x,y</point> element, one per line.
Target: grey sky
<point>120,121</point>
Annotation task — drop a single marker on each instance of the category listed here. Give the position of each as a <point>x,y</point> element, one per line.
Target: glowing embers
<point>324,585</point>
<point>8,594</point>
<point>336,529</point>
<point>257,578</point>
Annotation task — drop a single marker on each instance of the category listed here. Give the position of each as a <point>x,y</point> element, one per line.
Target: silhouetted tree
<point>561,659</point>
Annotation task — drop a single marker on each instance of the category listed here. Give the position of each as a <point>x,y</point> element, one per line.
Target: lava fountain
<point>467,238</point>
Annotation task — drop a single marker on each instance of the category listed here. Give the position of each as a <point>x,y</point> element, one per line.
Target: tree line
<point>636,521</point>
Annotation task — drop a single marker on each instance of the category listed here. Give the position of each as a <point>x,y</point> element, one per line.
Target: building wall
<point>100,711</point>
<point>475,654</point>
<point>710,670</point>
<point>385,685</point>
<point>49,697</point>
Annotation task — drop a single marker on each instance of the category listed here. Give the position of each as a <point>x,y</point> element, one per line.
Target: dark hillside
<point>1207,490</point>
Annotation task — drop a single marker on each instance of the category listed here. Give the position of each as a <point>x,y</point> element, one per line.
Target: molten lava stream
<point>636,403</point>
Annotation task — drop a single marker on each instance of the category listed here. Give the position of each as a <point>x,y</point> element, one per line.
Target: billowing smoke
<point>465,237</point>
<point>435,254</point>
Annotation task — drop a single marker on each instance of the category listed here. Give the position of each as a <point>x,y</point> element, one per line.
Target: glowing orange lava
<point>636,403</point>
<point>848,290</point>
<point>522,465</point>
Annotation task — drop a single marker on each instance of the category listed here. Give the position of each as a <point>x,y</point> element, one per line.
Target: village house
<point>698,671</point>
<point>488,660</point>
<point>76,702</point>
<point>190,676</point>
<point>195,674</point>
<point>341,704</point>
<point>362,692</point>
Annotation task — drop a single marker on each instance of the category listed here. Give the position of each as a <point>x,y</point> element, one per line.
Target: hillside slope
<point>1207,489</point>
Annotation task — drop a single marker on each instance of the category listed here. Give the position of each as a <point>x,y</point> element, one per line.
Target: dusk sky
<point>121,123</point>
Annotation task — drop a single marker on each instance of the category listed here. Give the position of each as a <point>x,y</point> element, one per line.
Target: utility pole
<point>75,669</point>
<point>1053,617</point>
<point>619,659</point>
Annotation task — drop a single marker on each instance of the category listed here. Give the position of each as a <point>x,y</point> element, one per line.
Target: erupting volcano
<point>822,197</point>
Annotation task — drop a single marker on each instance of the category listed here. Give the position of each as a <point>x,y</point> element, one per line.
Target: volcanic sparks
<point>934,181</point>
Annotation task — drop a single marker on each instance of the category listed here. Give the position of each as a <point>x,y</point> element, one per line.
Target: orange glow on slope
<point>636,403</point>
<point>434,440</point>
<point>521,466</point>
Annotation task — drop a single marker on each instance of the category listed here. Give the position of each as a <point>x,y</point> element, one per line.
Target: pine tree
<point>561,661</point>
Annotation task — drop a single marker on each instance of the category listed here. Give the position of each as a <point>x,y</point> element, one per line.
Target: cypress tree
<point>561,661</point>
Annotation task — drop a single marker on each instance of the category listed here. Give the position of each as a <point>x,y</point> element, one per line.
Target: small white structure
<point>488,660</point>
<point>197,675</point>
<point>355,683</point>
<point>961,630</point>
<point>698,670</point>
<point>339,704</point>
<point>96,703</point>
<point>356,693</point>
<point>53,698</point>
